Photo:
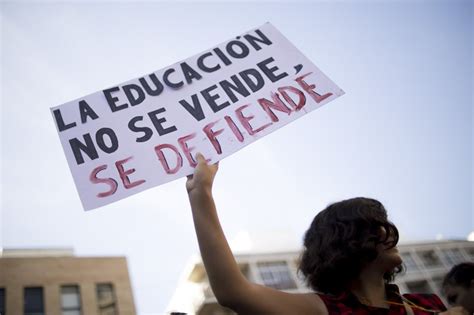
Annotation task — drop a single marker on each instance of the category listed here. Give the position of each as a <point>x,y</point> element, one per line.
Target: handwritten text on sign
<point>146,132</point>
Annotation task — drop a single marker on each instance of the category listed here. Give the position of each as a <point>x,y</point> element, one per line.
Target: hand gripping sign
<point>146,131</point>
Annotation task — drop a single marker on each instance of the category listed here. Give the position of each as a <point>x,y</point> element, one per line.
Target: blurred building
<point>426,264</point>
<point>54,282</point>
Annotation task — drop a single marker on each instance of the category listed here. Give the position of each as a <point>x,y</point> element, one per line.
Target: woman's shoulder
<point>315,304</point>
<point>426,300</point>
<point>343,303</point>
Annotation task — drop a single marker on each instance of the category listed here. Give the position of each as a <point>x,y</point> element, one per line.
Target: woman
<point>458,286</point>
<point>349,256</point>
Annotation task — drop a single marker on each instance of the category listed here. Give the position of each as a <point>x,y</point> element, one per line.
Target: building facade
<point>55,282</point>
<point>426,264</point>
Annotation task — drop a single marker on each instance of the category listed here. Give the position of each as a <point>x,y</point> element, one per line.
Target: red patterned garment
<point>348,304</point>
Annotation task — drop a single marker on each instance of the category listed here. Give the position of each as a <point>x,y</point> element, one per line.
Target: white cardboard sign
<point>145,132</point>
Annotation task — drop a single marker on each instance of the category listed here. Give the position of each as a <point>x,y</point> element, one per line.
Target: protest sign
<point>146,131</point>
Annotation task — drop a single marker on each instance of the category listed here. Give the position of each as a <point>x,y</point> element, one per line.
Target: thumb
<point>200,158</point>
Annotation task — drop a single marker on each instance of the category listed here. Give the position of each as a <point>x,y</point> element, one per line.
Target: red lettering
<point>211,135</point>
<point>234,128</point>
<point>164,162</point>
<point>309,88</point>
<point>277,104</point>
<point>187,150</point>
<point>108,181</point>
<point>124,174</point>
<point>245,121</point>
<point>289,100</point>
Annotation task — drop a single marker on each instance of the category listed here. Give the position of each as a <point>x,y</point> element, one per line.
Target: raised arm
<point>229,285</point>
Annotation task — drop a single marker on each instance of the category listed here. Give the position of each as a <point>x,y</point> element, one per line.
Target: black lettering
<point>195,109</point>
<point>211,99</point>
<point>99,138</point>
<point>147,132</point>
<point>222,57</point>
<point>112,100</point>
<point>189,73</point>
<point>168,82</point>
<point>248,74</point>
<point>203,67</point>
<point>86,111</point>
<point>238,87</point>
<point>158,85</point>
<point>88,148</point>
<point>269,72</point>
<point>253,40</point>
<point>134,99</point>
<point>231,50</point>
<point>60,121</point>
<point>158,122</point>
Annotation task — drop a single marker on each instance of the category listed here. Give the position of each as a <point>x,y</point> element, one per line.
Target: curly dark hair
<point>342,240</point>
<point>460,275</point>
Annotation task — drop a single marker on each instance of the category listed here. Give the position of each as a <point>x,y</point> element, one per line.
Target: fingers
<point>200,158</point>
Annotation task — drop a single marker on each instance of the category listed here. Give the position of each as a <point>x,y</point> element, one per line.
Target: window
<point>419,287</point>
<point>276,275</point>
<point>33,301</point>
<point>453,256</point>
<point>430,259</point>
<point>106,299</point>
<point>438,282</point>
<point>470,252</point>
<point>70,300</point>
<point>409,262</point>
<point>2,301</point>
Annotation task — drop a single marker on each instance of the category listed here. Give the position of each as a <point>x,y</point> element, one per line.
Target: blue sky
<point>403,132</point>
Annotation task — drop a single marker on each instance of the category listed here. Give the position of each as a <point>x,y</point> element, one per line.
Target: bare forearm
<point>230,286</point>
<point>223,272</point>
